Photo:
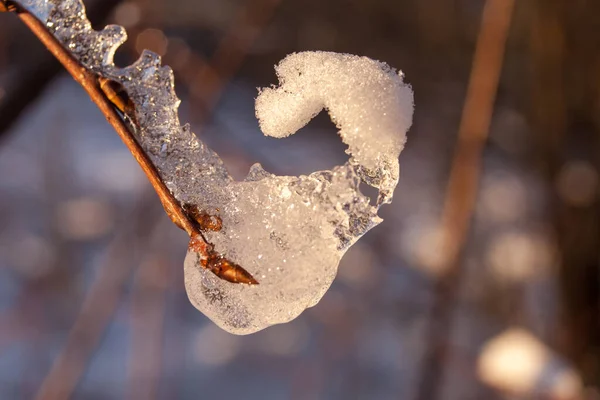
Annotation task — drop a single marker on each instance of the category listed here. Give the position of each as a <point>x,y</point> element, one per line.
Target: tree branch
<point>213,261</point>
<point>90,84</point>
<point>31,78</point>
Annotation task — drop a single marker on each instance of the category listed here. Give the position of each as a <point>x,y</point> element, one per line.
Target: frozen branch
<point>289,232</point>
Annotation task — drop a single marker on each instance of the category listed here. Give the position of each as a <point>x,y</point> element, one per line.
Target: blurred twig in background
<point>463,184</point>
<point>103,299</point>
<point>147,319</point>
<point>210,77</point>
<point>565,94</point>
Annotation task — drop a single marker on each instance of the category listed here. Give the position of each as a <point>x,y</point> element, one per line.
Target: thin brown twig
<point>33,77</point>
<point>211,260</point>
<point>463,184</point>
<point>89,82</point>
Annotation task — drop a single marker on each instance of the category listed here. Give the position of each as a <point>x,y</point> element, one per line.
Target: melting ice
<point>289,232</point>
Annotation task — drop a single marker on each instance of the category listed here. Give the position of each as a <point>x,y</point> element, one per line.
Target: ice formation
<point>366,99</point>
<point>289,232</point>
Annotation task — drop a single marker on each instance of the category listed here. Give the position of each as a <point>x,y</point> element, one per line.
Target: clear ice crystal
<point>289,232</point>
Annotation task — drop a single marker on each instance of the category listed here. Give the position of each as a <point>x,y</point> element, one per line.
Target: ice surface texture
<point>288,232</point>
<point>366,99</point>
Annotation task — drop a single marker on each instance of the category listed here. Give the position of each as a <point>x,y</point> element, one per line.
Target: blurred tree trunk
<point>565,75</point>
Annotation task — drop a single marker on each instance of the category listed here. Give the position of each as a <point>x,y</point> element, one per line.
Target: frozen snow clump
<point>289,232</point>
<point>366,99</point>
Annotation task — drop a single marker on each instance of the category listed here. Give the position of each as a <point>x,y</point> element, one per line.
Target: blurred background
<point>483,281</point>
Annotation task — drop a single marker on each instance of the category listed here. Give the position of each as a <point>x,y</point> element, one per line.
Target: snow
<point>366,99</point>
<point>289,232</point>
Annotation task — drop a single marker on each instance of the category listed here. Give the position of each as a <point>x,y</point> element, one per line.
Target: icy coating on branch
<point>289,232</point>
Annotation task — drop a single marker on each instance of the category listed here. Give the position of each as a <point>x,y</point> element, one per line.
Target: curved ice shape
<point>288,232</point>
<point>366,99</point>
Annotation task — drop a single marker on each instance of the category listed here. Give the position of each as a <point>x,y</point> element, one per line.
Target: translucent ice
<point>288,232</point>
